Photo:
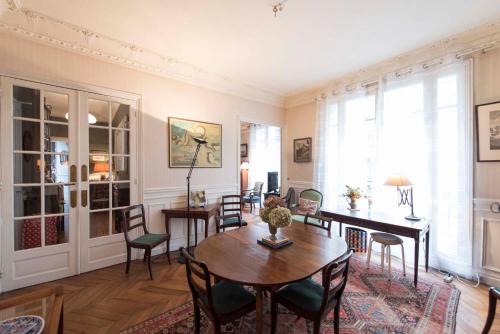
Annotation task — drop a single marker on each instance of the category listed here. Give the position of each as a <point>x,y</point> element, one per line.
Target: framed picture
<point>488,132</point>
<point>244,150</point>
<point>182,146</point>
<point>302,150</point>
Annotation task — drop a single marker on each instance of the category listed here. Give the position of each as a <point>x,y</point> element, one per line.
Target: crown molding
<point>481,38</point>
<point>35,26</point>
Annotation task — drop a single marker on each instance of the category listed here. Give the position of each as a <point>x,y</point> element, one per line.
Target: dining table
<point>236,256</point>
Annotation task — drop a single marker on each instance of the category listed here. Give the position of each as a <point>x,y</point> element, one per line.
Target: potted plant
<point>352,195</point>
<point>275,214</point>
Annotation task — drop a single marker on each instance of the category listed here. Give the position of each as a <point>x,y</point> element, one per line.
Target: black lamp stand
<point>406,197</point>
<point>199,141</point>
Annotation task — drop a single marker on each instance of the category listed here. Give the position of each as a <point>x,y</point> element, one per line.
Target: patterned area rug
<point>371,304</point>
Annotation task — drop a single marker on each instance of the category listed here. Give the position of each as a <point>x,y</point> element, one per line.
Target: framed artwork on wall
<point>302,150</point>
<point>182,146</point>
<point>244,150</point>
<point>488,131</point>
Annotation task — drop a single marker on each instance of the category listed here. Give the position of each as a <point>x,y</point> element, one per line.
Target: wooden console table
<point>195,213</point>
<point>383,222</point>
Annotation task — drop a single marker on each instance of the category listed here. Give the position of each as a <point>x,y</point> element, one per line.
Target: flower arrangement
<point>275,214</point>
<point>352,195</point>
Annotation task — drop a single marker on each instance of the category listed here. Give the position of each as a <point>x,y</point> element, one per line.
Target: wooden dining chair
<point>230,213</point>
<point>311,300</point>
<point>319,221</point>
<point>494,296</point>
<point>221,302</point>
<point>147,241</point>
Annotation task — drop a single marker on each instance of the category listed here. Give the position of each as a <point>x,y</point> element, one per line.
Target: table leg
<point>259,310</point>
<point>189,234</point>
<point>206,227</point>
<point>415,264</point>
<point>195,232</point>
<point>427,250</point>
<point>340,229</point>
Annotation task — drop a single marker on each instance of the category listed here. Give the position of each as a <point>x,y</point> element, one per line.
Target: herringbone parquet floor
<point>107,301</point>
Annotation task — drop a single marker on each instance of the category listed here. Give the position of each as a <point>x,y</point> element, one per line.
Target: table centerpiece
<point>276,215</point>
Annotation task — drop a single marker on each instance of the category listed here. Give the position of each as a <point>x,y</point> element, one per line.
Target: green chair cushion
<point>305,294</point>
<point>498,290</point>
<point>229,297</point>
<point>231,220</point>
<point>251,199</point>
<point>301,219</point>
<point>150,239</point>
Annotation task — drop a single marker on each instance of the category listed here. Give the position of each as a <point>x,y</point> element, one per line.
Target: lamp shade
<point>397,181</point>
<point>101,167</point>
<point>245,165</point>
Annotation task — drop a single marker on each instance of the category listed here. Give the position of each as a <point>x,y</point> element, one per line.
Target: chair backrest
<point>129,222</point>
<point>289,197</point>
<point>336,271</point>
<point>231,204</point>
<point>257,188</point>
<point>313,195</point>
<point>198,278</point>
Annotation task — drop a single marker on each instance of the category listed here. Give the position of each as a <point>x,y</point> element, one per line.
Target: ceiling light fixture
<point>278,7</point>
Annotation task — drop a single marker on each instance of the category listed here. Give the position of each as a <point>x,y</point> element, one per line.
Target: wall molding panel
<point>157,199</point>
<point>486,250</point>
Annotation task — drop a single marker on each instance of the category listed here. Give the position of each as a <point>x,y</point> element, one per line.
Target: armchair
<point>254,195</point>
<point>311,195</point>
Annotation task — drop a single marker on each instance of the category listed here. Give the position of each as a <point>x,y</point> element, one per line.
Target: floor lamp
<point>199,142</point>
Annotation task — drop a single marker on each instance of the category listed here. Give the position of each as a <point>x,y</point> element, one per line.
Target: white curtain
<point>419,126</point>
<point>264,153</point>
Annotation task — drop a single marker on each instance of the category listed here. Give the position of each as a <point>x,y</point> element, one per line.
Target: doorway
<point>67,167</point>
<point>260,157</point>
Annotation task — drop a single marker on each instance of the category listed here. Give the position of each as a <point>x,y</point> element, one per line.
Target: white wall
<point>160,98</point>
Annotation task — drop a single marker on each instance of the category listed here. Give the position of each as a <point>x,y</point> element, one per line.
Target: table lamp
<point>405,195</point>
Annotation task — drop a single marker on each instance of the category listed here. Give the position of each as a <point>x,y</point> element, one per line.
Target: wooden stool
<point>386,240</point>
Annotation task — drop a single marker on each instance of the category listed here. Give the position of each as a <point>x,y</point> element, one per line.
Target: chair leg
<point>145,256</point>
<point>382,249</point>
<point>317,326</point>
<point>197,319</point>
<point>368,257</point>
<point>149,264</point>
<point>491,313</point>
<point>128,260</point>
<point>336,319</point>
<point>274,313</point>
<point>168,251</point>
<point>389,261</point>
<point>403,255</point>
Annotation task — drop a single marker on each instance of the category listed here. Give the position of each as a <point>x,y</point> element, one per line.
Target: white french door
<point>67,165</point>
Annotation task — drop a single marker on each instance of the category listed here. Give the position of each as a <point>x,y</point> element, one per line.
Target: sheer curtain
<point>419,126</point>
<point>264,153</point>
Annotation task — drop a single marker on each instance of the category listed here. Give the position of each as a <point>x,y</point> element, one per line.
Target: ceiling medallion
<point>278,7</point>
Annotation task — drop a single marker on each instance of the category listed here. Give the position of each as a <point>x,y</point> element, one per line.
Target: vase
<point>353,204</point>
<point>273,230</point>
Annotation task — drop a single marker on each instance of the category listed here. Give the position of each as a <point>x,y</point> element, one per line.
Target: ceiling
<point>308,44</point>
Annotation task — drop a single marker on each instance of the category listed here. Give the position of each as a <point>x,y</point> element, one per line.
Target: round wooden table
<point>236,256</point>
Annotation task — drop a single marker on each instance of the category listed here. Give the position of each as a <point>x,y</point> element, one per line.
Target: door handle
<point>84,198</point>
<point>72,198</point>
<point>84,173</point>
<point>72,174</point>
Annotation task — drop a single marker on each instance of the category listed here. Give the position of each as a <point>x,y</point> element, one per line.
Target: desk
<point>256,265</point>
<point>195,213</point>
<point>383,222</point>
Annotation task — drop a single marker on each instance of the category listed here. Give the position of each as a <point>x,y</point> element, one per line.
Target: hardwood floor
<point>107,301</point>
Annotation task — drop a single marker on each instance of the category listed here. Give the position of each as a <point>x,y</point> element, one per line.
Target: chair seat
<point>251,199</point>
<point>386,238</point>
<point>150,239</point>
<point>305,294</point>
<point>229,297</point>
<point>301,219</point>
<point>232,221</point>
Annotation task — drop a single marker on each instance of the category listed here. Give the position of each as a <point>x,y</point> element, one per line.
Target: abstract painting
<point>182,146</point>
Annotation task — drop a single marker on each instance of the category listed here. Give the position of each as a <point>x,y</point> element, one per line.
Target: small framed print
<point>244,150</point>
<point>488,132</point>
<point>302,150</point>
